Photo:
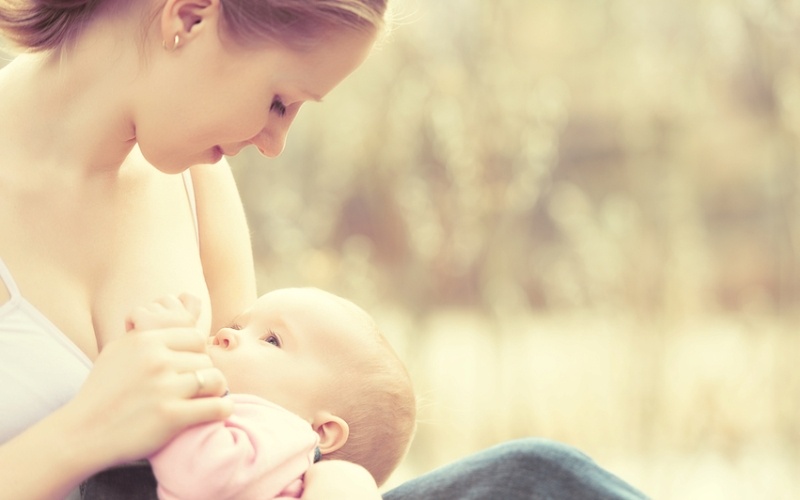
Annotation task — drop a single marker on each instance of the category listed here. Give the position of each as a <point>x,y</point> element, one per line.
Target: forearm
<point>339,480</point>
<point>225,247</point>
<point>49,459</point>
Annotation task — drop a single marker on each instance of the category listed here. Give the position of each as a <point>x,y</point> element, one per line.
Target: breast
<point>155,253</point>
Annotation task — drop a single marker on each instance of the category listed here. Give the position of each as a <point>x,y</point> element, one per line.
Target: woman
<point>109,98</point>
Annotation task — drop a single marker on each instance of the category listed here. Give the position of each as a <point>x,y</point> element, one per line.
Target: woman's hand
<point>151,383</point>
<point>339,480</point>
<point>144,388</point>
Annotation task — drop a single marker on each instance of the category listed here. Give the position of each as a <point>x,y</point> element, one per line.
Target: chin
<point>167,165</point>
<point>216,154</point>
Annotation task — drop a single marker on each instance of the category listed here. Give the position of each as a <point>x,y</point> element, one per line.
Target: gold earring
<point>174,43</point>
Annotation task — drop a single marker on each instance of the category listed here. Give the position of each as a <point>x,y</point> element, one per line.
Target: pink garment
<point>259,452</point>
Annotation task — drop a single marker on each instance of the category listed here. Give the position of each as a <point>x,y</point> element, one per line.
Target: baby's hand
<point>166,312</point>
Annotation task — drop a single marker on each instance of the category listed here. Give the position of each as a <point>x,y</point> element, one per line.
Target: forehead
<point>313,313</point>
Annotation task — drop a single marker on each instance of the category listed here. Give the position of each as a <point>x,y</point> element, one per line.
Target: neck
<point>69,110</point>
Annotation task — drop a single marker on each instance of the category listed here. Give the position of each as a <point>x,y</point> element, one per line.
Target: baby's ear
<point>333,431</point>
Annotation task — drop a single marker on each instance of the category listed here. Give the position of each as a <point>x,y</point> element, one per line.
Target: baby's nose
<point>227,338</point>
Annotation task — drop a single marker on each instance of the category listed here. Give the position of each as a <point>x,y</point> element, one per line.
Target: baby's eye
<point>272,339</point>
<point>278,106</point>
<point>235,326</point>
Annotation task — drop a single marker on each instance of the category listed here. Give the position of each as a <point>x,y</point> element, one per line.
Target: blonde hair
<point>44,24</point>
<point>374,395</point>
<point>298,23</point>
<point>47,24</point>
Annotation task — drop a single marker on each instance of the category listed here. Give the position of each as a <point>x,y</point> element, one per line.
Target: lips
<point>217,154</point>
<point>230,152</point>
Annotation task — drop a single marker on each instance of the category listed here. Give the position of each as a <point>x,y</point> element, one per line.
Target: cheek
<point>244,374</point>
<point>192,124</point>
<point>242,112</point>
<point>235,376</point>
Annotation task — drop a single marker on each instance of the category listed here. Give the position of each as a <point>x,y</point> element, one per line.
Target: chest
<point>86,256</point>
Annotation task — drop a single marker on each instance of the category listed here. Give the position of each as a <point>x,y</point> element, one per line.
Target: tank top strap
<point>189,185</point>
<point>7,280</point>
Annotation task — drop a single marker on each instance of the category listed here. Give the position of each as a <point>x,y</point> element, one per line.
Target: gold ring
<point>201,381</point>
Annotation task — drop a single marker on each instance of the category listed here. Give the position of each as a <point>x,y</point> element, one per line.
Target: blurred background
<point>575,219</point>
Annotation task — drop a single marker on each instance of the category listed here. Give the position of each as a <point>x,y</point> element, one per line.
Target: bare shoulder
<point>224,241</point>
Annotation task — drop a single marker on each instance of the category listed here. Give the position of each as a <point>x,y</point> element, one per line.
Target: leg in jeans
<point>529,469</point>
<point>134,481</point>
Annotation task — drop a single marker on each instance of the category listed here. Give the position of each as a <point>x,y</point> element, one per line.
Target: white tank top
<point>40,367</point>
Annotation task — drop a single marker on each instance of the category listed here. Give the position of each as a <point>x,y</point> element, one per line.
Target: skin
<point>84,216</point>
<point>288,347</point>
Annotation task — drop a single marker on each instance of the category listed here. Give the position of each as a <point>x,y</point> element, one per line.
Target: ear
<point>333,431</point>
<point>186,19</point>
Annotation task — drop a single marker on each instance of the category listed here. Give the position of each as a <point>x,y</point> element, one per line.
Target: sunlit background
<point>575,219</point>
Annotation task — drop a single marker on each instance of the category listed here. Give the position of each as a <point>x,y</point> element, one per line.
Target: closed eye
<point>277,106</point>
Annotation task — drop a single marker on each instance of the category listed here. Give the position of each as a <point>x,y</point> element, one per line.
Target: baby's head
<point>322,357</point>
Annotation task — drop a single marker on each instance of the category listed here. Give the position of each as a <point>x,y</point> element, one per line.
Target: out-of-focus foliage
<point>515,155</point>
<point>577,219</point>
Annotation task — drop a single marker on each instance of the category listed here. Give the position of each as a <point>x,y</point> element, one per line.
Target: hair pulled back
<point>44,24</point>
<point>298,22</point>
<point>48,24</point>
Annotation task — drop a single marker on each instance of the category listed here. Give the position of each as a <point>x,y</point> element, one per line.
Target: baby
<point>310,377</point>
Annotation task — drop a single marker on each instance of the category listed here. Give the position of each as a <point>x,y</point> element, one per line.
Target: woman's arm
<point>225,247</point>
<point>49,459</point>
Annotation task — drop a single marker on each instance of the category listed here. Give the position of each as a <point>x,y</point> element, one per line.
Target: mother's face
<point>208,97</point>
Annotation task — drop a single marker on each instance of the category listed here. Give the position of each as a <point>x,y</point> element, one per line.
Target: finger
<point>134,317</point>
<point>178,339</point>
<point>192,303</point>
<point>172,303</point>
<point>186,361</point>
<point>189,412</point>
<point>205,382</point>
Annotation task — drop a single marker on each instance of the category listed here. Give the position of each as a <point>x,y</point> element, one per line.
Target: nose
<point>269,144</point>
<point>227,338</point>
<point>271,140</point>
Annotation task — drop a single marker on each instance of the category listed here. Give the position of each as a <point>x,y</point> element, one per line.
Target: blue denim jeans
<point>530,469</point>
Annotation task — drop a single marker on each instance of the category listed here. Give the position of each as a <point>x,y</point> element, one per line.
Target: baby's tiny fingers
<point>192,303</point>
